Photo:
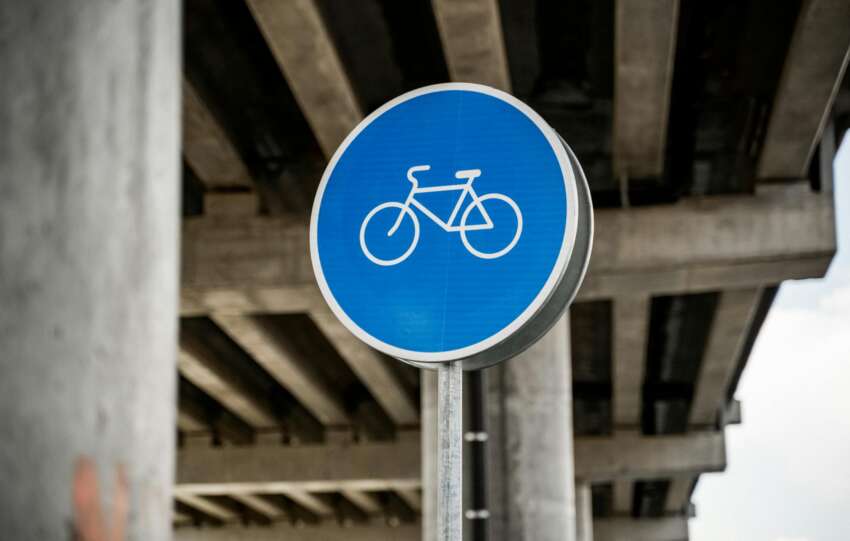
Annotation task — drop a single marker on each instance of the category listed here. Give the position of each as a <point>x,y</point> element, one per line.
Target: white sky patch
<point>789,463</point>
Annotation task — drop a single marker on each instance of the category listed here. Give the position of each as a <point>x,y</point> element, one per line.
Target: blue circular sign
<point>443,222</point>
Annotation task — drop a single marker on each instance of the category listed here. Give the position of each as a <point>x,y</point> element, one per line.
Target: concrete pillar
<point>429,454</point>
<point>89,199</point>
<point>584,512</point>
<point>531,469</point>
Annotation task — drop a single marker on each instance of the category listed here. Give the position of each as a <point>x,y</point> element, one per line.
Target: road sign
<point>451,228</point>
<point>445,224</point>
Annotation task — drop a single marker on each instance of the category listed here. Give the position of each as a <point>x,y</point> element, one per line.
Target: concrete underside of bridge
<point>707,132</point>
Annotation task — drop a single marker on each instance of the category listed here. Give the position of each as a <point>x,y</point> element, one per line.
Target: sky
<point>788,477</point>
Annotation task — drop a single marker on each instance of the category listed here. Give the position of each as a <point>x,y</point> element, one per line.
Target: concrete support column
<point>89,199</point>
<point>531,469</point>
<point>584,512</point>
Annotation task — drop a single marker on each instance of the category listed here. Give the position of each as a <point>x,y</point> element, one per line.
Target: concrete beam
<point>471,32</point>
<point>259,505</point>
<point>231,204</point>
<point>274,352</point>
<point>412,498</point>
<point>328,531</point>
<point>178,518</point>
<point>364,501</point>
<point>206,506</point>
<point>250,265</point>
<point>630,329</point>
<point>623,496</point>
<point>303,48</point>
<point>701,244</point>
<point>645,529</point>
<point>631,456</point>
<point>310,502</point>
<point>710,243</point>
<point>223,382</point>
<point>282,469</point>
<point>207,148</point>
<point>196,413</point>
<point>584,512</point>
<point>191,419</point>
<point>814,68</point>
<point>732,414</point>
<point>679,494</point>
<point>729,332</point>
<point>826,155</point>
<point>645,49</point>
<point>372,369</point>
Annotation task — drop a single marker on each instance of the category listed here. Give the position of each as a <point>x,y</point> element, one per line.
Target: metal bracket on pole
<point>450,444</point>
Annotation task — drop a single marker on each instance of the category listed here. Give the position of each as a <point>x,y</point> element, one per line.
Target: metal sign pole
<point>450,445</point>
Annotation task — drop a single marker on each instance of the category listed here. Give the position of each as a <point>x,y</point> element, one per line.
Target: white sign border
<point>544,293</point>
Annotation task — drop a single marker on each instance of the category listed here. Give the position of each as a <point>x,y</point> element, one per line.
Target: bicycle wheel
<point>386,222</point>
<point>481,201</point>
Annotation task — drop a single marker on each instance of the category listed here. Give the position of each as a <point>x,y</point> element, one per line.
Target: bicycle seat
<point>468,173</point>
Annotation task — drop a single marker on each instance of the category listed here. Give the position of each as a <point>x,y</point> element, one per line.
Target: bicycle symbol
<point>404,209</point>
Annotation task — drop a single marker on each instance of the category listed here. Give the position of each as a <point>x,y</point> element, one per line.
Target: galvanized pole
<point>450,443</point>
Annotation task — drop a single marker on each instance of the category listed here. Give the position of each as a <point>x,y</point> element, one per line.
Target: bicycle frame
<point>465,189</point>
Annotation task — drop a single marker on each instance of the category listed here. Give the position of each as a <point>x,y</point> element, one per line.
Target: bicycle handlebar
<point>416,169</point>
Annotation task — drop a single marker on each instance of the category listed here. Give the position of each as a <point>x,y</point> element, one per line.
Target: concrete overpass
<point>707,132</point>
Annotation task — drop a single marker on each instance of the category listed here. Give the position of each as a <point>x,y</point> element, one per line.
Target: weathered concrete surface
<point>303,48</point>
<point>206,146</point>
<point>629,455</point>
<point>225,383</point>
<point>89,199</point>
<point>275,352</point>
<point>710,243</point>
<point>646,529</point>
<point>729,331</point>
<point>814,68</point>
<point>471,32</point>
<point>631,327</point>
<point>623,497</point>
<point>327,531</point>
<point>645,45</point>
<point>207,506</point>
<point>531,470</point>
<point>679,494</point>
<point>584,513</point>
<point>269,469</point>
<point>371,368</point>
